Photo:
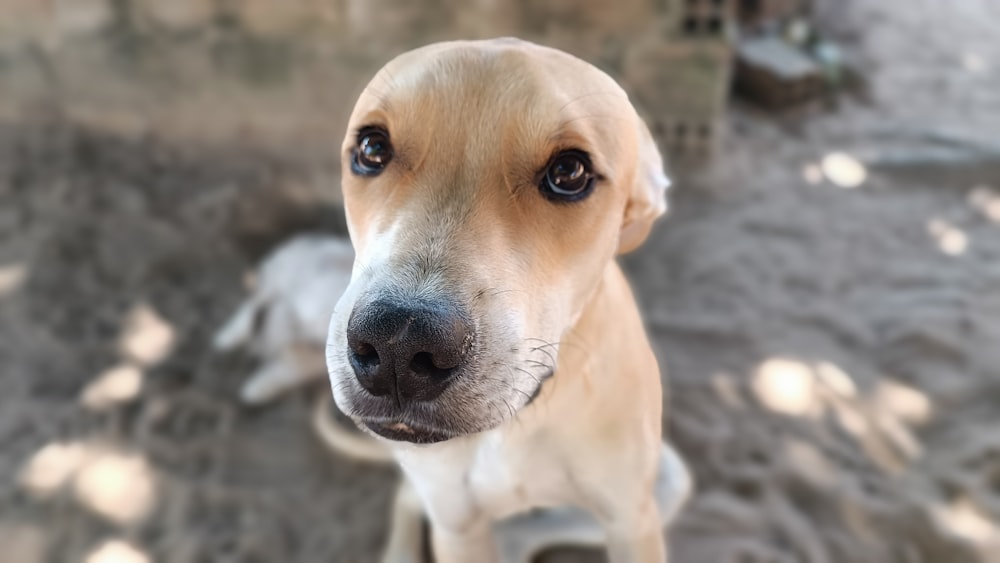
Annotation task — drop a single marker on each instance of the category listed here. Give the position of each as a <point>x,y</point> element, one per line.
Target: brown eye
<point>568,177</point>
<point>373,152</point>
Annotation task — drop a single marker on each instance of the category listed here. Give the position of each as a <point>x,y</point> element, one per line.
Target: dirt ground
<point>833,352</point>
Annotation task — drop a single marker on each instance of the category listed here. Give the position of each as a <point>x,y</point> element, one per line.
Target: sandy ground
<point>832,352</point>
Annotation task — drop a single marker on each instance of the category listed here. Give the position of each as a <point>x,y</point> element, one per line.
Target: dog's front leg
<point>406,541</point>
<point>638,537</point>
<point>475,543</point>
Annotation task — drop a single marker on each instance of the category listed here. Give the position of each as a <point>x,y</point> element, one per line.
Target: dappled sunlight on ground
<point>974,63</point>
<point>793,387</point>
<point>882,419</point>
<point>117,551</point>
<point>843,170</point>
<point>788,387</point>
<point>53,466</point>
<point>949,238</point>
<point>114,386</point>
<point>986,200</point>
<point>116,485</point>
<point>808,460</point>
<point>963,518</point>
<point>12,277</point>
<point>812,173</point>
<point>147,338</point>
<point>908,403</point>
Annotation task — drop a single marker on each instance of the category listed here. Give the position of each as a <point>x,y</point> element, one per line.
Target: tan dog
<point>488,335</point>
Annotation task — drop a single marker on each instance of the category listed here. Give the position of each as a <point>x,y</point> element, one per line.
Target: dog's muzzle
<point>407,352</point>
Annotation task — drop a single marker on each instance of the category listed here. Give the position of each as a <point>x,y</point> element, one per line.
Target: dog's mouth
<point>400,427</point>
<point>406,432</point>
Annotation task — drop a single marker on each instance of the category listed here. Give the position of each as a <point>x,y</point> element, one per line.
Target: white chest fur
<point>488,476</point>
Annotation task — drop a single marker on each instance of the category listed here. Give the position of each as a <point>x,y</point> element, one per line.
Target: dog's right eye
<point>568,177</point>
<point>373,153</point>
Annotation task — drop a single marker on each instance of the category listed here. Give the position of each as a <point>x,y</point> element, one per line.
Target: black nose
<point>408,350</point>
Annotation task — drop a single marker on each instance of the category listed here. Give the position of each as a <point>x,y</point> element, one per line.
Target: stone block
<point>763,12</point>
<point>702,18</point>
<point>682,88</point>
<point>689,136</point>
<point>775,74</point>
<point>679,76</point>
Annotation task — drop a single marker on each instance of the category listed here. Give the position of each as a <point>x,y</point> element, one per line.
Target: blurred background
<point>824,295</point>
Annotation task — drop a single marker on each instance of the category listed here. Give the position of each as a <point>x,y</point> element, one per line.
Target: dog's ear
<point>648,198</point>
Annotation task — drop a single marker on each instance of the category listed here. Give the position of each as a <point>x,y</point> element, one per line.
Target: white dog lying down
<point>284,323</point>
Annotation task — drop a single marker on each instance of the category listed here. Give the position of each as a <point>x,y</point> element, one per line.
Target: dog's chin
<point>404,432</point>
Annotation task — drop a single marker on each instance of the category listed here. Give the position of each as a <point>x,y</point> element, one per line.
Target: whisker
<point>493,292</point>
<point>539,364</point>
<point>509,408</point>
<point>511,386</point>
<point>528,373</point>
<point>546,352</point>
<point>561,343</point>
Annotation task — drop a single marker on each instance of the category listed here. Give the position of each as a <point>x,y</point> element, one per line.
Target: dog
<point>488,338</point>
<point>284,320</point>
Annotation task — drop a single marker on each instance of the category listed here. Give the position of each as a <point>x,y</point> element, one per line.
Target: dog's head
<point>487,186</point>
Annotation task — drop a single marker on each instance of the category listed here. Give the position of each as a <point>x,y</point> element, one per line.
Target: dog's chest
<point>493,478</point>
<point>506,478</point>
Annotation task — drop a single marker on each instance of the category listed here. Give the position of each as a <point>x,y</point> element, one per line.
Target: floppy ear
<point>648,198</point>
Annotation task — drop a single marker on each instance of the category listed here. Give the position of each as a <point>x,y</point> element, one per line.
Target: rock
<point>764,12</point>
<point>776,74</point>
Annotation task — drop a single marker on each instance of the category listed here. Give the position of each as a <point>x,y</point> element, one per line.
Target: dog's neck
<point>604,353</point>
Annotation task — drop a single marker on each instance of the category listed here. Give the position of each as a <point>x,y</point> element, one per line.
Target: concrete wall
<point>283,74</point>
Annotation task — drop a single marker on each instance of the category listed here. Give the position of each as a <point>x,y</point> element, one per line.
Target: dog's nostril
<point>365,355</point>
<point>424,364</point>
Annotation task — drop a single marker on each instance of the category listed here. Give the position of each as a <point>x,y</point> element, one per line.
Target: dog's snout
<point>410,351</point>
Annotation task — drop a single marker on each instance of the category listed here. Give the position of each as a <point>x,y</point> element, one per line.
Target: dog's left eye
<point>568,177</point>
<point>373,152</point>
